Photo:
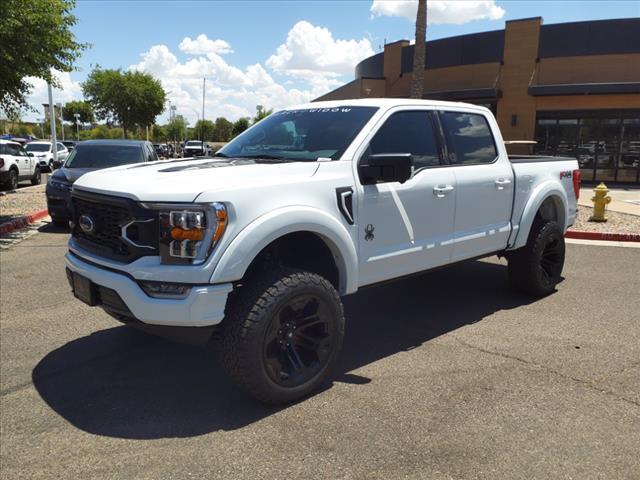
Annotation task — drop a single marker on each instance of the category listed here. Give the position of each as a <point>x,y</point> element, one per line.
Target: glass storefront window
<point>605,143</point>
<point>568,131</point>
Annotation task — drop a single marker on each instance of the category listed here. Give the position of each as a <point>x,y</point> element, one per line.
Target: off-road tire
<point>240,342</point>
<point>536,268</point>
<point>37,177</point>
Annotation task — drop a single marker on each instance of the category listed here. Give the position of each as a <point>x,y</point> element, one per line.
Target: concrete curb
<point>605,236</point>
<point>21,222</point>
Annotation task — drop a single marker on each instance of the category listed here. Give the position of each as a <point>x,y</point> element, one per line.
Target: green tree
<point>35,38</point>
<point>176,128</point>
<point>78,106</point>
<point>204,129</point>
<point>223,130</point>
<point>240,126</point>
<point>261,113</point>
<point>159,133</point>
<point>419,51</point>
<point>131,98</point>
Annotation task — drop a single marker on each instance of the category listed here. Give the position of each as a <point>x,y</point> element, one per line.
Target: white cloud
<point>203,45</point>
<point>230,91</point>
<point>311,61</point>
<point>311,57</point>
<point>69,90</point>
<point>440,11</point>
<point>313,49</point>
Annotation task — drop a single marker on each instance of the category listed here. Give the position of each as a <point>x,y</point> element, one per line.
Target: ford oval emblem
<point>87,224</point>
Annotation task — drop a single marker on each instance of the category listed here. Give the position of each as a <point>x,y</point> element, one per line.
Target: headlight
<point>59,185</point>
<point>189,234</point>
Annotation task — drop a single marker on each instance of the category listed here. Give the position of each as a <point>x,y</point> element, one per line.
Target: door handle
<point>442,190</point>
<point>501,182</point>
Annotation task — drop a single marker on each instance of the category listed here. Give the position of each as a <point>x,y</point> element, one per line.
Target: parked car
<point>16,165</point>
<point>70,144</point>
<point>252,250</point>
<point>88,156</point>
<point>44,154</point>
<point>195,148</point>
<point>162,150</point>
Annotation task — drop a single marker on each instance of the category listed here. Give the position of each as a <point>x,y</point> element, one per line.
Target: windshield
<point>103,156</point>
<point>302,135</point>
<point>194,143</point>
<point>37,147</point>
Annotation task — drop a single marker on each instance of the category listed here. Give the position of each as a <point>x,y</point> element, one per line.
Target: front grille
<point>108,215</point>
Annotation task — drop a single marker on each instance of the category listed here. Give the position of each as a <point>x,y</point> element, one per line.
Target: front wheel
<point>536,268</point>
<point>281,335</point>
<point>12,180</point>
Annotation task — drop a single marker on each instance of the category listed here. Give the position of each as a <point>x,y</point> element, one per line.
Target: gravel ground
<point>616,223</point>
<point>23,201</point>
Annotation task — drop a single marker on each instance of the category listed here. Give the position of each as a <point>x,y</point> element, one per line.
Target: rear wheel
<point>281,335</point>
<point>536,268</point>
<point>37,177</point>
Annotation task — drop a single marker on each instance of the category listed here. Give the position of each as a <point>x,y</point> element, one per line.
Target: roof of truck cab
<point>121,142</point>
<point>383,103</point>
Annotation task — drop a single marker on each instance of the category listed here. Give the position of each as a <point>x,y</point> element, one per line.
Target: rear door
<point>20,158</point>
<point>484,183</point>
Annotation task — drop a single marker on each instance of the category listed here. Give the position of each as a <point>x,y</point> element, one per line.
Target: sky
<point>273,53</point>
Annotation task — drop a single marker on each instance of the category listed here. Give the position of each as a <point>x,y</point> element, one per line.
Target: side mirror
<point>385,167</point>
<point>30,154</point>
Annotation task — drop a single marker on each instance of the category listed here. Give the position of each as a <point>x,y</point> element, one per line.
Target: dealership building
<point>574,88</point>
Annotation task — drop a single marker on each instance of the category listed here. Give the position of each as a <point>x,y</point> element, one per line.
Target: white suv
<point>44,154</point>
<point>16,165</point>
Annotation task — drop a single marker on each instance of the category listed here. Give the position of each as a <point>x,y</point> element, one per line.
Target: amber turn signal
<point>195,234</point>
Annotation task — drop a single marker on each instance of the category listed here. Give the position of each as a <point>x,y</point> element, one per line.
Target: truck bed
<point>537,158</point>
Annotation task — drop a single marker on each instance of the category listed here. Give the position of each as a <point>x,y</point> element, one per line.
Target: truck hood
<point>184,181</point>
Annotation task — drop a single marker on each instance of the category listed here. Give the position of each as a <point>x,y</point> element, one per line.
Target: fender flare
<point>246,246</point>
<point>538,196</point>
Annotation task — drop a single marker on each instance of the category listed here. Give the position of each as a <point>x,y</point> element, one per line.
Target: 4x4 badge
<point>368,232</point>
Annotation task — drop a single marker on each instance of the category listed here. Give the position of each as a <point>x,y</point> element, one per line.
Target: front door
<point>406,228</point>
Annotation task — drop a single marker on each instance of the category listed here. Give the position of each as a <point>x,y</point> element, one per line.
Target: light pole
<point>77,117</point>
<point>59,105</point>
<point>204,80</point>
<point>52,121</point>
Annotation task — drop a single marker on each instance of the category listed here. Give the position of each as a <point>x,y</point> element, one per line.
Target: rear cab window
<point>469,138</point>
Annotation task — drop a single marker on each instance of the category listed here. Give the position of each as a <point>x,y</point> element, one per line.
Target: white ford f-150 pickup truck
<point>251,251</point>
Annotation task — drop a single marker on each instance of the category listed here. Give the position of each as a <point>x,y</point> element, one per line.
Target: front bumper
<point>203,307</point>
<point>58,203</point>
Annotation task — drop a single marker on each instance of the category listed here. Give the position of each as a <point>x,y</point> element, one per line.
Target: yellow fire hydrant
<point>600,201</point>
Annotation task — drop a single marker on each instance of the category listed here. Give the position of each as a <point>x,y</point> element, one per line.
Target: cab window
<point>408,132</point>
<point>469,138</point>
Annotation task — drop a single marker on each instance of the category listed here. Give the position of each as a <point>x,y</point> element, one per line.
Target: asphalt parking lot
<point>448,375</point>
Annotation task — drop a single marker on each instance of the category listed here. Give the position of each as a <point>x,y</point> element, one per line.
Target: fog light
<point>166,290</point>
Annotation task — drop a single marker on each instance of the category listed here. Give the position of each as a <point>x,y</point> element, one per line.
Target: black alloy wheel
<point>298,342</point>
<point>536,268</point>
<point>551,260</point>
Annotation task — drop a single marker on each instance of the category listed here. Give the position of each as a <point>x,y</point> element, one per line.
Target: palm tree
<point>419,51</point>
